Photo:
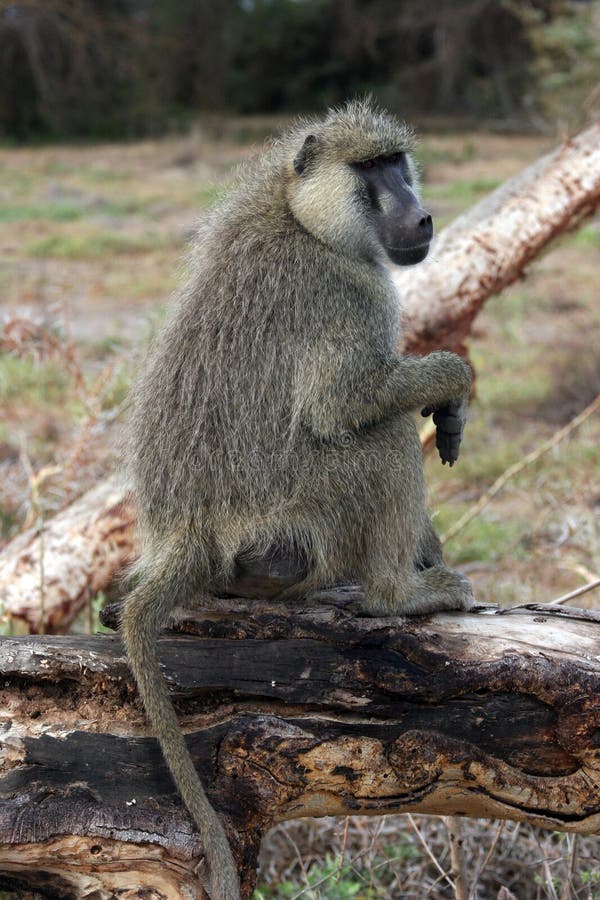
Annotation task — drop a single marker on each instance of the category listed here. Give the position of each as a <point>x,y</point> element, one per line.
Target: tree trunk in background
<point>476,256</point>
<point>292,710</point>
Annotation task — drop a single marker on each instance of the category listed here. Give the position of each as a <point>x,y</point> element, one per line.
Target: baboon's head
<point>352,183</point>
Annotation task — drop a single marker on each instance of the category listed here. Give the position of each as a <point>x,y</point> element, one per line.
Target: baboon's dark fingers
<point>448,446</point>
<point>450,422</point>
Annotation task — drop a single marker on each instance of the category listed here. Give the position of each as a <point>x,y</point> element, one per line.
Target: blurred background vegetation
<point>126,68</point>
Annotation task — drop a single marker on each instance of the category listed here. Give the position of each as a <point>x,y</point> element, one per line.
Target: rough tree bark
<point>291,711</point>
<point>475,257</point>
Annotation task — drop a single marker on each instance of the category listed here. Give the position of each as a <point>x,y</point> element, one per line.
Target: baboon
<point>276,409</point>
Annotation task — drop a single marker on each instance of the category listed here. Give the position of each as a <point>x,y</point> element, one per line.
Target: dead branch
<point>290,711</point>
<point>84,548</point>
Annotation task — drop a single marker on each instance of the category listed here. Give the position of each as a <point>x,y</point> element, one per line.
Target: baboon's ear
<point>304,154</point>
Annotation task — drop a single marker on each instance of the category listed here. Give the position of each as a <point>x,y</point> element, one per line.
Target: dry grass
<point>112,222</point>
<point>386,857</point>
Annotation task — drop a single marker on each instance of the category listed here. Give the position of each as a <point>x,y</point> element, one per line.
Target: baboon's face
<point>363,208</point>
<point>403,227</point>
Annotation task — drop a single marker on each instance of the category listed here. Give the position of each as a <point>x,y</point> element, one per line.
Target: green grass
<point>56,167</point>
<point>66,212</point>
<point>30,382</point>
<point>100,174</point>
<point>521,379</point>
<point>427,154</point>
<point>45,384</point>
<point>94,245</point>
<point>334,880</point>
<point>465,190</point>
<point>8,526</point>
<point>94,173</point>
<point>104,346</point>
<point>567,464</point>
<point>511,311</point>
<point>482,461</point>
<point>582,456</point>
<point>118,389</point>
<point>155,280</point>
<point>49,212</point>
<point>587,236</point>
<point>482,540</point>
<point>18,182</point>
<point>119,207</point>
<point>509,389</point>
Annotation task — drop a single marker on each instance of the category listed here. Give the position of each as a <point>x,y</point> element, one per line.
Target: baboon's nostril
<point>425,225</point>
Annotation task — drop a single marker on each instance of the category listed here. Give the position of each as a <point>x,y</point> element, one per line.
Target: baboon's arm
<point>433,381</point>
<point>337,392</point>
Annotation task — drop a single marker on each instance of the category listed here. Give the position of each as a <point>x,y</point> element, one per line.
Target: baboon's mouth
<point>408,256</point>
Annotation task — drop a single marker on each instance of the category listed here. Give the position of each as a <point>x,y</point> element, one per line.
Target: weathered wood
<point>474,258</point>
<point>84,548</point>
<point>292,710</point>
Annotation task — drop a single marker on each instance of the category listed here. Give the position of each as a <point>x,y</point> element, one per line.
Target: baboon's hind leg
<point>429,549</point>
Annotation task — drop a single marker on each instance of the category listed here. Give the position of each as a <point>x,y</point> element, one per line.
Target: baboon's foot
<point>386,598</point>
<point>436,589</point>
<point>432,590</point>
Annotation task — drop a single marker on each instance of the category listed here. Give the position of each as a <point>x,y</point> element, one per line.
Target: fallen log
<point>291,710</point>
<point>475,257</point>
<point>84,548</point>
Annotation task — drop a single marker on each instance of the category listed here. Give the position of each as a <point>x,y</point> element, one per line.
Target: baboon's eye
<point>373,197</point>
<point>366,164</point>
<point>400,159</point>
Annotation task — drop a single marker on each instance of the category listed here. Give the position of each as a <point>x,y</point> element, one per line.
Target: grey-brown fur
<point>275,407</point>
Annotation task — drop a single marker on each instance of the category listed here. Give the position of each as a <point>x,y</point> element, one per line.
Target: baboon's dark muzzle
<point>406,232</point>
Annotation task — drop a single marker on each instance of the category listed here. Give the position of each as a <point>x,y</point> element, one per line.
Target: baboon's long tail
<point>146,609</point>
